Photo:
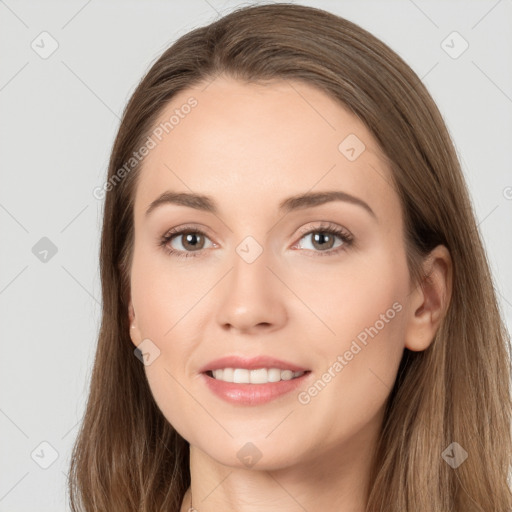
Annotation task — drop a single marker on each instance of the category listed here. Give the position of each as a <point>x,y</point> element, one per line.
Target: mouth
<point>256,376</point>
<point>242,380</point>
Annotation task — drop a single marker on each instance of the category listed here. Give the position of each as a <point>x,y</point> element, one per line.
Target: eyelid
<point>187,227</point>
<point>304,230</point>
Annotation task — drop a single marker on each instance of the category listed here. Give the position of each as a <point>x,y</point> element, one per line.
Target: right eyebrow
<point>197,201</point>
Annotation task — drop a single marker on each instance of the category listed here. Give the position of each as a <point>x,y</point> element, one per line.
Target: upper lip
<point>250,363</point>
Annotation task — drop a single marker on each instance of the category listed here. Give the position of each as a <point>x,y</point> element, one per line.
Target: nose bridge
<point>251,295</point>
<point>250,266</point>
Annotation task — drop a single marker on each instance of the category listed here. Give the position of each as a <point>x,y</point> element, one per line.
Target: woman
<point>333,340</point>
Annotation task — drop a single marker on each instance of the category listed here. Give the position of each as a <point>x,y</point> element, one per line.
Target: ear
<point>430,300</point>
<point>135,334</point>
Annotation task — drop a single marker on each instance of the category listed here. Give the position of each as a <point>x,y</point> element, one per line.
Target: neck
<point>336,480</point>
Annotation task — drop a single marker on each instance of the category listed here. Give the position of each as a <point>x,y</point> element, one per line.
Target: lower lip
<point>252,394</point>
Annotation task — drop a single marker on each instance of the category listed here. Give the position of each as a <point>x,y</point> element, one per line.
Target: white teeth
<point>274,375</point>
<point>259,376</point>
<point>227,374</point>
<point>286,375</point>
<point>241,376</point>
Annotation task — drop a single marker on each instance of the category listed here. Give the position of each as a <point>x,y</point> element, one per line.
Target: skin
<point>249,146</point>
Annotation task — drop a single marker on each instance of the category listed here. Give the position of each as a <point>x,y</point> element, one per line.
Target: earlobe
<point>430,300</point>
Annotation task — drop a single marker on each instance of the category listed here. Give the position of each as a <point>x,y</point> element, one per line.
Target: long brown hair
<point>128,457</point>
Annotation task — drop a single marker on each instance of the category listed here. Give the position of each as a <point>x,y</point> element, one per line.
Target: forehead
<point>251,145</point>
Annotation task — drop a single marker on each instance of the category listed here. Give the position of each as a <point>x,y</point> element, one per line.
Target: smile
<point>257,376</point>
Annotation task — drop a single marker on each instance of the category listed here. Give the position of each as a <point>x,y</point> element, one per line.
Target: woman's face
<point>263,279</point>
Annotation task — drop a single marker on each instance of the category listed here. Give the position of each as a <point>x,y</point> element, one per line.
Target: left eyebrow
<point>298,202</point>
<point>317,198</point>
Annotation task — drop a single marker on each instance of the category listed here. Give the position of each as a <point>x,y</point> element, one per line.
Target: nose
<point>251,298</point>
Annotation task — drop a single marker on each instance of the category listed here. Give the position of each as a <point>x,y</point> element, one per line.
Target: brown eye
<point>192,240</point>
<point>323,240</point>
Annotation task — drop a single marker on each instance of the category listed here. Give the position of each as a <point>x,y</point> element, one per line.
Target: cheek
<point>361,301</point>
<point>163,295</point>
<point>351,295</point>
<point>359,367</point>
<point>164,309</point>
<point>170,392</point>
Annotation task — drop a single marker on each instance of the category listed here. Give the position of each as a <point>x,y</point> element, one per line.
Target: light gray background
<point>58,122</point>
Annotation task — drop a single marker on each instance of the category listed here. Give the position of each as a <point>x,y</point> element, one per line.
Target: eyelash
<point>331,229</point>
